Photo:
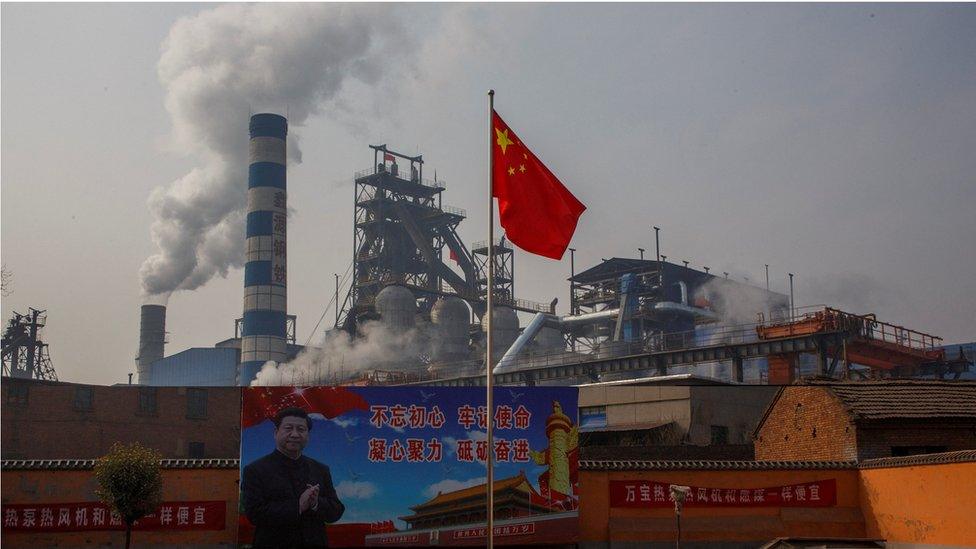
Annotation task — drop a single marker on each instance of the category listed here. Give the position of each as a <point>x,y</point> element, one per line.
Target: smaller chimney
<point>152,339</point>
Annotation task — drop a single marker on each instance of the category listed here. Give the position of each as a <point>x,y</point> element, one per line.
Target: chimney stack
<point>152,340</point>
<point>265,268</point>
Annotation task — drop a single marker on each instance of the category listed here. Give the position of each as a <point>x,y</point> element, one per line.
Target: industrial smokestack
<point>152,340</point>
<point>266,265</point>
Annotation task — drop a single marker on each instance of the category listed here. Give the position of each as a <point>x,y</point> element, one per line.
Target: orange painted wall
<point>26,486</point>
<point>600,523</point>
<point>924,504</point>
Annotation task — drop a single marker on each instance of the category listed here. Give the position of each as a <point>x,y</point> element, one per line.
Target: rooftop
<point>905,398</point>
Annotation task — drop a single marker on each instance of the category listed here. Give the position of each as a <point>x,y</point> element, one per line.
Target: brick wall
<point>807,423</point>
<point>45,420</point>
<point>69,486</point>
<point>876,439</point>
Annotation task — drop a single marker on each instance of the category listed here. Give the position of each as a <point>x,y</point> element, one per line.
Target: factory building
<point>417,297</point>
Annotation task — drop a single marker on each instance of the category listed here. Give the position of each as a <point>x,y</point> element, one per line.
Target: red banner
<point>649,493</point>
<point>90,515</point>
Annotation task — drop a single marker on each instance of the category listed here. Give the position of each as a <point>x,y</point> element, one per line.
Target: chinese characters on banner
<point>646,493</point>
<point>400,417</point>
<point>85,516</point>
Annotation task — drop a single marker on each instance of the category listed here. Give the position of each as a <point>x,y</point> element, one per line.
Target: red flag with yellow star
<point>538,213</point>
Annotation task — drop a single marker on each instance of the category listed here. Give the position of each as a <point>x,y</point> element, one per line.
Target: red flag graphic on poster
<point>454,256</point>
<point>538,213</point>
<point>261,403</point>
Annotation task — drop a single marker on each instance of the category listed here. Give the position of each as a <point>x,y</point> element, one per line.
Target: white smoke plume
<point>342,356</point>
<point>737,303</point>
<point>218,67</point>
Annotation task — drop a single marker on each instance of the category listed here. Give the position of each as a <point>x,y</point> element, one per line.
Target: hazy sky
<point>834,141</point>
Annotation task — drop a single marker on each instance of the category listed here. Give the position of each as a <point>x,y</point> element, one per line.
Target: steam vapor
<point>377,346</point>
<point>221,65</point>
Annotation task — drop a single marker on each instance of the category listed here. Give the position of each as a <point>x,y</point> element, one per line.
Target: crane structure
<point>25,356</point>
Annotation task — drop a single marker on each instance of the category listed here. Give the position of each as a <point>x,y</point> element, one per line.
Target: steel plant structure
<point>401,229</point>
<point>24,354</point>
<point>628,318</point>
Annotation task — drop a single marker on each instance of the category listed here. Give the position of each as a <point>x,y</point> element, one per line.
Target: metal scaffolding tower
<point>504,279</point>
<point>401,229</point>
<point>24,354</point>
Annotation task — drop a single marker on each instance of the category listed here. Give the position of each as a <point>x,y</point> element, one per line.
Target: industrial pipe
<point>507,362</point>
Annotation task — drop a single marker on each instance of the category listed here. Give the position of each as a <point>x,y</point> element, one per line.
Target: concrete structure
<point>865,420</point>
<point>152,340</point>
<point>671,411</point>
<point>264,335</point>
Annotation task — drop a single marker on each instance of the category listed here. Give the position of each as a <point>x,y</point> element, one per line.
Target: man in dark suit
<point>287,496</point>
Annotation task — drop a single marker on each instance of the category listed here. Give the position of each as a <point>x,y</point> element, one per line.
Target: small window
<point>17,394</point>
<point>83,398</point>
<point>195,450</point>
<point>196,403</point>
<point>147,401</point>
<point>720,434</point>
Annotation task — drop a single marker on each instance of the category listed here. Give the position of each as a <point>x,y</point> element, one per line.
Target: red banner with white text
<point>649,493</point>
<point>90,515</point>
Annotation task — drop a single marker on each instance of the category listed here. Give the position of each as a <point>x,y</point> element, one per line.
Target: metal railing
<point>499,243</point>
<point>461,212</point>
<point>823,318</point>
<point>433,184</point>
<point>523,304</point>
<point>710,336</point>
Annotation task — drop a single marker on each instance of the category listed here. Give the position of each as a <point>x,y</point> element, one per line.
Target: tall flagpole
<point>489,462</point>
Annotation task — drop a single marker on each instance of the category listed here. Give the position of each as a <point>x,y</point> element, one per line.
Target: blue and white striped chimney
<point>266,265</point>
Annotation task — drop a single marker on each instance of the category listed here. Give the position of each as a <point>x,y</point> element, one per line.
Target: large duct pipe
<point>589,318</point>
<point>507,363</point>
<point>152,340</point>
<point>263,334</point>
<point>672,307</point>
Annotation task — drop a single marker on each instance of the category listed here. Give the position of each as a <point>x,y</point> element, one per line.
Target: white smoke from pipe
<point>218,67</point>
<point>341,356</point>
<point>736,303</point>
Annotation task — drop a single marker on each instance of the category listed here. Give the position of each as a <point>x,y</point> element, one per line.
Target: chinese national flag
<point>538,213</point>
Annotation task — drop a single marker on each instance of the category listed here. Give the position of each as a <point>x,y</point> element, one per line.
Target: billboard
<point>406,465</point>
